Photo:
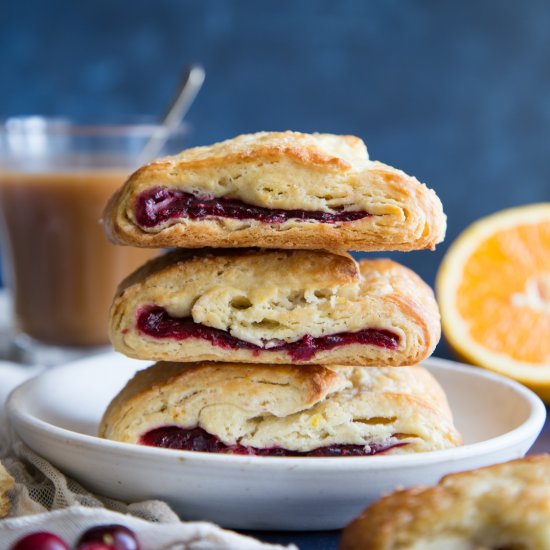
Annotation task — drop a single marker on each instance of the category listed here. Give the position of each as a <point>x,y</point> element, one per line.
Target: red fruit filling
<point>160,204</point>
<point>155,321</point>
<point>197,439</point>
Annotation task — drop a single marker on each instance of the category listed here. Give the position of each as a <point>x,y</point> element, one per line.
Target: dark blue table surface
<point>306,540</point>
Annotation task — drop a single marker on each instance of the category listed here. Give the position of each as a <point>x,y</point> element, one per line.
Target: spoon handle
<point>188,89</point>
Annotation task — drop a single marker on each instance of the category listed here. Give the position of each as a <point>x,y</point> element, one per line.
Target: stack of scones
<point>271,339</point>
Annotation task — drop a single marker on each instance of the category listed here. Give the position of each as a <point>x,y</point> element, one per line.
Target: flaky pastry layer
<point>289,171</point>
<point>271,297</point>
<point>501,506</point>
<point>282,406</point>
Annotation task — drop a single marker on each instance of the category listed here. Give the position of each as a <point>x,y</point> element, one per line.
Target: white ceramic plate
<point>57,415</point>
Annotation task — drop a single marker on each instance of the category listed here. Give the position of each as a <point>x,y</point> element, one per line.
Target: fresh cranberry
<point>161,204</point>
<point>108,537</point>
<point>156,322</point>
<point>41,540</point>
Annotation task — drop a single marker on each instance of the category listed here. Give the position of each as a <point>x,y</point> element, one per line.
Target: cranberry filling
<point>155,321</point>
<point>160,204</point>
<point>197,439</point>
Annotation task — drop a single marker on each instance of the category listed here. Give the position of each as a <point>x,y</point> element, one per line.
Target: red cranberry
<point>108,537</point>
<point>41,540</point>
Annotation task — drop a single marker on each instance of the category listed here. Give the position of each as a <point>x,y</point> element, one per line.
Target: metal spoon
<point>188,89</point>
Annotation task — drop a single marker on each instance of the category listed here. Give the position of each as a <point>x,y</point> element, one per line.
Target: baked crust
<point>7,483</point>
<point>502,506</point>
<point>282,406</point>
<point>271,297</point>
<point>286,170</point>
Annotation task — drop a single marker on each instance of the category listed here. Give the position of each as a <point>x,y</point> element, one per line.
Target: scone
<point>6,485</point>
<point>502,506</point>
<point>282,410</point>
<point>274,306</point>
<point>275,190</point>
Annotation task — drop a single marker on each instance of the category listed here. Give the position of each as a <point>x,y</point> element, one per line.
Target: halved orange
<point>493,288</point>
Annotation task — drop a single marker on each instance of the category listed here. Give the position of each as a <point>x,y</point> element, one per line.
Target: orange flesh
<point>500,267</point>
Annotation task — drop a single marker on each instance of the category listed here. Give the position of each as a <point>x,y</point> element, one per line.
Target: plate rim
<point>532,426</point>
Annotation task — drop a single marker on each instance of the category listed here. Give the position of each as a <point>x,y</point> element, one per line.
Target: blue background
<point>456,93</point>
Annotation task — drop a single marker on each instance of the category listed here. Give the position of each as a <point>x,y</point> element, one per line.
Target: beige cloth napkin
<point>69,523</point>
<point>45,499</point>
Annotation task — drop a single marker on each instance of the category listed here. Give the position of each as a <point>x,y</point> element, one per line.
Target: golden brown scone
<point>6,485</point>
<point>302,185</point>
<point>275,306</point>
<point>281,409</point>
<point>506,506</point>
